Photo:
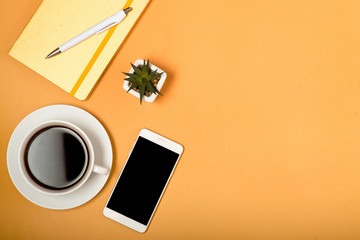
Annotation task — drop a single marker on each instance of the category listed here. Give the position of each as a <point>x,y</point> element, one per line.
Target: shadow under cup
<point>56,157</point>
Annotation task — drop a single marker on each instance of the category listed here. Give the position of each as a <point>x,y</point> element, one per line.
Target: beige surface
<point>265,98</point>
<point>52,26</point>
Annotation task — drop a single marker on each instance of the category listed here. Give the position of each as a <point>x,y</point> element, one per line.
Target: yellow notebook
<point>55,22</point>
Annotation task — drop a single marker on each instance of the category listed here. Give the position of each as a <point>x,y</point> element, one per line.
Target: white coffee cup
<point>47,162</point>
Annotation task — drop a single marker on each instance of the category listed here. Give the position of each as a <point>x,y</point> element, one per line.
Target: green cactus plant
<point>143,80</point>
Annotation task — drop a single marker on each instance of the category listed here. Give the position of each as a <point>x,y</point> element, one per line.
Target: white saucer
<point>97,135</point>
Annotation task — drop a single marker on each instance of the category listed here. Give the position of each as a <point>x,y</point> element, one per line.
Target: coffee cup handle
<point>101,170</point>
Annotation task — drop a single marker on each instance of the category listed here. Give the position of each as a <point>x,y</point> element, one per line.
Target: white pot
<point>159,85</point>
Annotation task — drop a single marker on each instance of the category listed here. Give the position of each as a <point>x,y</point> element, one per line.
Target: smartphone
<point>143,180</point>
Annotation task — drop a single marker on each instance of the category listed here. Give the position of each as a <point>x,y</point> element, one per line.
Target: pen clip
<point>107,27</point>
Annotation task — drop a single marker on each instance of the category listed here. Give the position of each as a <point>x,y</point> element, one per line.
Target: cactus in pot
<point>144,80</point>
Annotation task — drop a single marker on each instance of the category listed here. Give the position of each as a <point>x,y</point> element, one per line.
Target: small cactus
<point>143,80</point>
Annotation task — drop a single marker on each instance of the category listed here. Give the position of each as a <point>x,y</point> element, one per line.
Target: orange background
<point>264,96</point>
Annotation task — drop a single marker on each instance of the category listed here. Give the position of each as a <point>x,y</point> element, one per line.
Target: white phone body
<point>130,202</point>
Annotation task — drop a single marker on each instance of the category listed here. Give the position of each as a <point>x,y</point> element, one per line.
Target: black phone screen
<point>143,180</point>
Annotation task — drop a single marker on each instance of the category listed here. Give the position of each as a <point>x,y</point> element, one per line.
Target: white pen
<point>98,28</point>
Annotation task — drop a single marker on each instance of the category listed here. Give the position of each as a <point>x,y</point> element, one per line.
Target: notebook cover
<point>55,22</point>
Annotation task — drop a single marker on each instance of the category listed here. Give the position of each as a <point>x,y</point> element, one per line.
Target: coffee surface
<point>56,157</point>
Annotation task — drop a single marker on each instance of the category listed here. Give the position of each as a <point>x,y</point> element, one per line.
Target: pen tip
<point>53,53</point>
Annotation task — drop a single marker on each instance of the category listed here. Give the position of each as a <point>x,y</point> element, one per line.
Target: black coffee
<point>56,157</point>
